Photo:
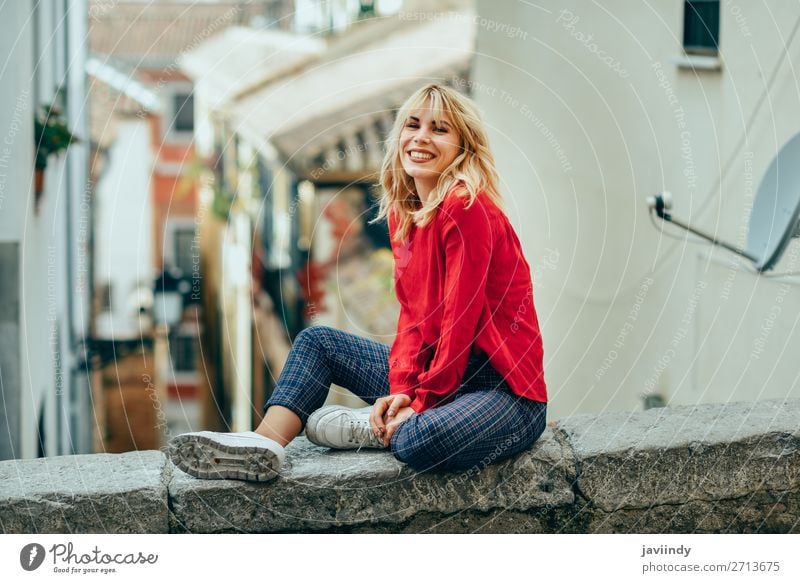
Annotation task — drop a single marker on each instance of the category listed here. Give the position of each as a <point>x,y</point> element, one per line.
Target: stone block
<point>709,459</point>
<point>370,491</point>
<point>100,493</point>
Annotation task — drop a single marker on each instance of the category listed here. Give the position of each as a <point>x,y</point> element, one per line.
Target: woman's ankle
<point>280,424</point>
<point>273,435</point>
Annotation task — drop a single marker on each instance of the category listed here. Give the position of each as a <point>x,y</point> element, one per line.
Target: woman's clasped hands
<point>387,415</point>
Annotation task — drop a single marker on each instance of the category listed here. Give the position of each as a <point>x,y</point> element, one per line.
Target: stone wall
<point>708,468</point>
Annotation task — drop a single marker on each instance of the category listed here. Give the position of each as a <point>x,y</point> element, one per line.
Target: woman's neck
<point>423,189</point>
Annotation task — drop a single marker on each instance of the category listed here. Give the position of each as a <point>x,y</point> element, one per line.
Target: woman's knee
<point>411,442</point>
<point>316,335</point>
<point>422,443</point>
<point>408,442</point>
<point>310,334</point>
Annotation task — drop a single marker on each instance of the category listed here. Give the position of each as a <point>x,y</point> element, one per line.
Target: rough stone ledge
<point>706,468</point>
<point>115,493</point>
<point>323,489</point>
<point>733,467</point>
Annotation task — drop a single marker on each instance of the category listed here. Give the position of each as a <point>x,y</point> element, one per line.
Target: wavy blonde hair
<point>473,170</point>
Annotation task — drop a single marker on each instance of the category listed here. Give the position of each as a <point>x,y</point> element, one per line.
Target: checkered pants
<point>483,424</point>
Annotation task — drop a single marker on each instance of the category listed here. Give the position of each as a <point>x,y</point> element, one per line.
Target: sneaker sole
<point>204,458</point>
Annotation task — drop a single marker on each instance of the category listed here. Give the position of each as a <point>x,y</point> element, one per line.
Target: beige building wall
<point>593,109</point>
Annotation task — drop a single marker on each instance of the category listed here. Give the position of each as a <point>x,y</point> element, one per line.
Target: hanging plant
<point>51,136</point>
<point>222,203</point>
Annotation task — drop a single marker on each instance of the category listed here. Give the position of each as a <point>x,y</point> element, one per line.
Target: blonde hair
<point>473,170</point>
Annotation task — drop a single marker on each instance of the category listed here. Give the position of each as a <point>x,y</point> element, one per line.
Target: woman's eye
<point>415,125</point>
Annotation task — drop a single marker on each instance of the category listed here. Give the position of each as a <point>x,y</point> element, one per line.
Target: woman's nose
<point>422,136</point>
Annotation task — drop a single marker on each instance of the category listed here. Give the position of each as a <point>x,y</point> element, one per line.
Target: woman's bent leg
<point>474,430</point>
<point>320,356</point>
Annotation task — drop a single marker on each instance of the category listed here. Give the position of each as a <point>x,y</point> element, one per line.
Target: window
<point>183,354</point>
<point>701,27</point>
<point>183,106</point>
<point>185,252</point>
<point>104,297</point>
<point>181,247</point>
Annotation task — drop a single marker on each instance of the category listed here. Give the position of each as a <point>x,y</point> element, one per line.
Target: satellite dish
<point>775,218</point>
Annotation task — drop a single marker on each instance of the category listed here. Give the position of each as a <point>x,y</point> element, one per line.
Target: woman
<point>462,385</point>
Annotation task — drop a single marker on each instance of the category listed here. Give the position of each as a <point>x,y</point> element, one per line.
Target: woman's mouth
<point>420,157</point>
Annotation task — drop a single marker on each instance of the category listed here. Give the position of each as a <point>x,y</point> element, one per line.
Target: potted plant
<point>51,136</point>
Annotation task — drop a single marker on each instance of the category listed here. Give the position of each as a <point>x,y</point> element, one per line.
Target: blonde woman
<point>462,385</point>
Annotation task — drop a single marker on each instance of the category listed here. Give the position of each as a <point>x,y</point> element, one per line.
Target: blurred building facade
<point>594,108</point>
<point>148,247</point>
<point>45,239</point>
<point>292,127</point>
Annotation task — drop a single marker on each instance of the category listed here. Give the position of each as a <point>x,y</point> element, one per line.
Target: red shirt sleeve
<point>406,357</point>
<point>467,237</point>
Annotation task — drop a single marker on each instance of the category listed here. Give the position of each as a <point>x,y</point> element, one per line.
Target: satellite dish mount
<point>775,219</point>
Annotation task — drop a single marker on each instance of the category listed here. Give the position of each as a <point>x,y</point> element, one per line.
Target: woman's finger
<point>376,416</point>
<point>392,411</point>
<point>398,402</point>
<point>392,426</point>
<point>390,429</point>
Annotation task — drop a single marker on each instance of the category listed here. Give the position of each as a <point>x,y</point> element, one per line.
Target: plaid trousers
<point>484,423</point>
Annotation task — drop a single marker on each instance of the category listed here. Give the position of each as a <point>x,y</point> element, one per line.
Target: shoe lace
<point>361,433</point>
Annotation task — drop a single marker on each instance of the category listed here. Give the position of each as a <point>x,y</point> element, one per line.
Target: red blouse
<point>464,286</point>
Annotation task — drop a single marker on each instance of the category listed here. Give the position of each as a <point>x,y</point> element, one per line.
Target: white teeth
<point>420,156</point>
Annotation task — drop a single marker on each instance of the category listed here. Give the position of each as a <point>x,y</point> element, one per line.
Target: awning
<point>239,59</point>
<point>334,113</point>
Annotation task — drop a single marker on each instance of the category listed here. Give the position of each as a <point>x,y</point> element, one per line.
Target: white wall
<point>41,257</point>
<point>589,117</point>
<point>16,166</point>
<point>16,112</point>
<point>46,343</point>
<point>124,244</point>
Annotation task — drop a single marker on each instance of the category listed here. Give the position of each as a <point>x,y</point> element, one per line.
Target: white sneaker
<point>240,456</point>
<point>342,428</point>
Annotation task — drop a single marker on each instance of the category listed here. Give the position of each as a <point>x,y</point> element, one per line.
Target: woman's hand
<point>402,414</point>
<point>387,407</point>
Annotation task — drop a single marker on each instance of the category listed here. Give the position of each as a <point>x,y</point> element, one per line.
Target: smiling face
<point>427,148</point>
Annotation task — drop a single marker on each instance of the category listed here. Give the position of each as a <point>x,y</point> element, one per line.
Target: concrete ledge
<point>325,489</point>
<point>709,468</point>
<point>115,493</point>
